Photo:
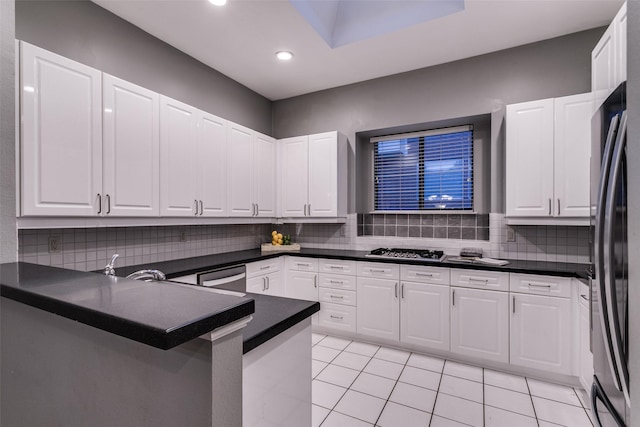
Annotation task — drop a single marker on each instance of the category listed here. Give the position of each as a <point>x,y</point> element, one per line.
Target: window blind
<point>431,170</point>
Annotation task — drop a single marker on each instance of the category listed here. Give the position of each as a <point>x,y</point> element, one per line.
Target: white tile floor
<point>357,384</point>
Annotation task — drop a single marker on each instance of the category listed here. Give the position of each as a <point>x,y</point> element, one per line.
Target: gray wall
<point>474,86</point>
<point>8,232</point>
<point>89,34</point>
<point>633,157</point>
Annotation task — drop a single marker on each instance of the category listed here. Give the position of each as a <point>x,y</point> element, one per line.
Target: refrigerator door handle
<point>603,187</point>
<point>609,256</point>
<point>598,394</point>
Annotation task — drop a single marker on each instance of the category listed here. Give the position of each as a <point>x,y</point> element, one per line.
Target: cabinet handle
<point>376,270</point>
<point>474,279</point>
<point>337,267</point>
<point>264,284</point>
<point>265,267</point>
<point>304,210</point>
<point>268,282</point>
<point>257,209</point>
<point>303,264</point>
<point>335,317</point>
<point>424,274</point>
<point>533,285</point>
<point>514,305</point>
<point>201,208</point>
<point>584,297</point>
<point>338,282</point>
<point>196,203</point>
<point>453,297</point>
<point>315,281</point>
<point>108,204</point>
<point>336,296</point>
<point>396,289</point>
<point>309,208</point>
<point>549,207</point>
<point>402,291</point>
<point>558,206</point>
<point>99,203</point>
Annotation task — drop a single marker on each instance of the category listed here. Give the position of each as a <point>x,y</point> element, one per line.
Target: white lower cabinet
<point>586,357</point>
<point>541,333</point>
<point>480,324</point>
<point>337,316</point>
<point>424,315</point>
<point>302,285</point>
<point>378,313</point>
<point>270,284</point>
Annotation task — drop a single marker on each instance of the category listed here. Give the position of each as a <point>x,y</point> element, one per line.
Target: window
<point>430,170</point>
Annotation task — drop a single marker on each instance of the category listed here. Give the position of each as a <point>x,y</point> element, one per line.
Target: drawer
<point>378,269</point>
<point>425,274</point>
<point>263,267</point>
<point>338,266</point>
<point>302,264</point>
<point>540,285</point>
<point>338,281</point>
<point>480,279</point>
<point>337,296</point>
<point>338,317</point>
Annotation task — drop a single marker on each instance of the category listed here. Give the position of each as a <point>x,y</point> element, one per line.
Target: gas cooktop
<point>426,255</point>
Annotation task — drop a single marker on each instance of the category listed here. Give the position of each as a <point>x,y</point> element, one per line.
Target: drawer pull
<point>315,281</point>
<point>336,296</point>
<point>337,282</point>
<point>337,267</point>
<point>303,264</point>
<point>265,267</point>
<point>424,274</point>
<point>377,270</point>
<point>584,297</point>
<point>533,285</point>
<point>335,317</point>
<point>474,279</point>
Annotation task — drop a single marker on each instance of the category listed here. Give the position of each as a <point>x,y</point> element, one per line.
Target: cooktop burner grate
<point>427,255</point>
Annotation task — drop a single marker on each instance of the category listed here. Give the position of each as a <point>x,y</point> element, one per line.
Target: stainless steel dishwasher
<point>232,278</point>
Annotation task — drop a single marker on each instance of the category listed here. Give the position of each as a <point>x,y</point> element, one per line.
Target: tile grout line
<point>484,406</point>
<point>526,381</point>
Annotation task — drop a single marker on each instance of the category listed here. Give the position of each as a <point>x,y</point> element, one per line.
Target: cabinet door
<point>131,149</point>
<point>178,158</point>
<point>424,315</point>
<point>586,357</point>
<point>530,159</point>
<point>240,172</point>
<point>265,166</point>
<point>620,29</point>
<point>61,149</point>
<point>480,323</point>
<point>302,285</point>
<point>541,333</point>
<point>603,71</point>
<point>275,284</point>
<point>323,175</point>
<point>572,150</point>
<point>378,308</point>
<point>212,165</point>
<point>257,284</point>
<point>294,176</point>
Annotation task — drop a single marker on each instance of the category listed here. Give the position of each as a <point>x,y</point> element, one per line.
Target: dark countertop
<point>187,266</point>
<point>159,314</point>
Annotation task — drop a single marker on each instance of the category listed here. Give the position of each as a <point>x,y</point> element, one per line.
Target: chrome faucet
<point>147,275</point>
<point>109,269</point>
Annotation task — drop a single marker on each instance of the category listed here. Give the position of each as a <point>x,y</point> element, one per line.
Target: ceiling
<point>241,38</point>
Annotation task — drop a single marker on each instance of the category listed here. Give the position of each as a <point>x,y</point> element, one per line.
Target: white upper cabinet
<point>314,176</point>
<point>572,143</point>
<point>61,150</point>
<point>178,158</point>
<point>530,158</point>
<point>609,59</point>
<point>295,176</point>
<point>131,149</point>
<point>212,165</point>
<point>548,155</point>
<point>240,173</point>
<point>264,167</point>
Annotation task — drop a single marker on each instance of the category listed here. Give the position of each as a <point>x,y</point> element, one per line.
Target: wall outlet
<point>511,234</point>
<point>55,244</point>
<point>183,235</point>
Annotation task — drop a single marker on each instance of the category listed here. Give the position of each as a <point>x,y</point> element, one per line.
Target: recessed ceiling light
<point>284,55</point>
<point>218,2</point>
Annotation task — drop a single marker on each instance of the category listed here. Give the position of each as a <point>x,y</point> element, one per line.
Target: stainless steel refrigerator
<point>609,284</point>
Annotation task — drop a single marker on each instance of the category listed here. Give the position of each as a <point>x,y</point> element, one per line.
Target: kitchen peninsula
<point>88,349</point>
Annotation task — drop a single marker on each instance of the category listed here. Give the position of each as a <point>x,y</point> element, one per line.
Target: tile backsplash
<point>439,226</point>
<point>91,248</point>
